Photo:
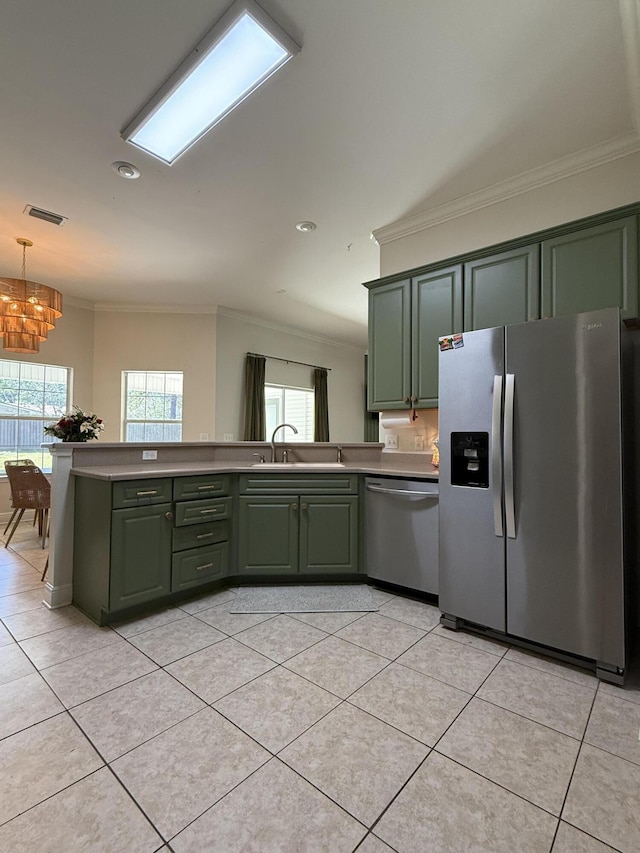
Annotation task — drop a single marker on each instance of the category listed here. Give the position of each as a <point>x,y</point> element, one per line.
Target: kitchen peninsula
<point>90,489</point>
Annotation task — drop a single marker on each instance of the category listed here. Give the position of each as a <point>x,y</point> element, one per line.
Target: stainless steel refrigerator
<point>535,480</point>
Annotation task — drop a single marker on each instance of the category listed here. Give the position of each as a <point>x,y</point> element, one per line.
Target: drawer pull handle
<point>207,511</point>
<point>204,535</point>
<point>207,487</point>
<point>148,492</point>
<point>206,566</point>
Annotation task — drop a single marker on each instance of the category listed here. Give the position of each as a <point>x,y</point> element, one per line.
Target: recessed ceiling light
<point>126,170</point>
<point>236,56</point>
<point>305,227</point>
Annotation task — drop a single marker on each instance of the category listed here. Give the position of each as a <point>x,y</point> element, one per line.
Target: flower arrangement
<point>76,426</point>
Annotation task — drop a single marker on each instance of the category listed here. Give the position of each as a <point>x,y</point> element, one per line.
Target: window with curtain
<point>31,396</point>
<point>152,405</point>
<point>284,404</point>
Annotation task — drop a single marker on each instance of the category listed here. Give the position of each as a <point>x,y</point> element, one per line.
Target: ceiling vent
<point>46,215</point>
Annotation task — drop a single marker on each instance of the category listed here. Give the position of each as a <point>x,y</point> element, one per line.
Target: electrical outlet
<point>418,442</point>
<point>391,441</point>
<point>204,436</point>
<point>149,454</point>
<point>228,436</point>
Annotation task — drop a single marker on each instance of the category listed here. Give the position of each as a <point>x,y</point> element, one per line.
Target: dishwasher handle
<point>402,492</point>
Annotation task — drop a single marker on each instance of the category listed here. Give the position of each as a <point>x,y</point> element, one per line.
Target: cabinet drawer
<point>141,492</point>
<point>202,486</point>
<point>200,535</point>
<point>199,565</point>
<point>201,512</point>
<point>310,484</point>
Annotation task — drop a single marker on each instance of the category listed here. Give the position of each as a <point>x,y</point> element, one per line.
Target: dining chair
<point>30,489</point>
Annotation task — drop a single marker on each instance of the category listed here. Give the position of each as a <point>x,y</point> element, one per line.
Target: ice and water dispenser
<point>470,459</point>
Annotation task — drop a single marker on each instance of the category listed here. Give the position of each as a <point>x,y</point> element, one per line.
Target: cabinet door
<point>268,535</point>
<point>502,289</point>
<point>140,555</point>
<point>591,269</point>
<point>436,309</point>
<point>389,385</point>
<point>328,534</point>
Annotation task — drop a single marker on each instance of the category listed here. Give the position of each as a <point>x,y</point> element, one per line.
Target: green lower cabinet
<point>199,565</point>
<point>268,541</point>
<point>140,555</point>
<point>292,534</point>
<point>328,534</point>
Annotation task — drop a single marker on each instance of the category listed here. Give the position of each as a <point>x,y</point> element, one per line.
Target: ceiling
<point>392,108</point>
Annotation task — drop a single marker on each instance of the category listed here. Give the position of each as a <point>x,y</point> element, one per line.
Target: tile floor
<point>197,730</point>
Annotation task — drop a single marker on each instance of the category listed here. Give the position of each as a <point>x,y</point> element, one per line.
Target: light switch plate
<point>204,436</point>
<point>228,436</point>
<point>391,441</point>
<point>149,454</point>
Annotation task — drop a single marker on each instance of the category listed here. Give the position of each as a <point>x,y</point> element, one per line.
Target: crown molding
<point>630,20</point>
<point>287,330</point>
<point>573,164</point>
<point>155,309</point>
<point>76,302</point>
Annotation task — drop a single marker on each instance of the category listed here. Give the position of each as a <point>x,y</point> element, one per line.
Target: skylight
<point>241,51</point>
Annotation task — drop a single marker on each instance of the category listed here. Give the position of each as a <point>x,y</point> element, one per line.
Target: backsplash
<point>415,437</point>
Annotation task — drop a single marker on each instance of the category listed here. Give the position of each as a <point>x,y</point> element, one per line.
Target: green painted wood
<point>289,483</point>
<point>141,492</point>
<point>436,309</point>
<point>502,289</point>
<point>91,546</point>
<point>200,486</point>
<point>197,536</point>
<point>268,535</point>
<point>328,534</point>
<point>389,364</point>
<point>202,512</point>
<point>199,566</point>
<point>591,269</point>
<point>140,555</point>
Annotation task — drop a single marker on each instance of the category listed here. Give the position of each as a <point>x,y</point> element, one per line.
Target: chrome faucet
<point>273,438</point>
<point>339,454</point>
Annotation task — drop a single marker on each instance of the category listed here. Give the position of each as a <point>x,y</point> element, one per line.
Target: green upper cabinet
<point>502,289</point>
<point>436,309</point>
<point>406,319</point>
<point>389,383</point>
<point>591,269</point>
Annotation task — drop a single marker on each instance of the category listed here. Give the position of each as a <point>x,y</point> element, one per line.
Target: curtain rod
<point>287,360</point>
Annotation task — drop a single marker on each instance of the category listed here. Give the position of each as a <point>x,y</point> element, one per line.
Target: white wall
<point>70,344</point>
<point>239,335</point>
<point>612,185</point>
<point>156,341</point>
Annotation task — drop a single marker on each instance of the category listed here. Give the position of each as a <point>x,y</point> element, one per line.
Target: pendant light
<point>28,309</point>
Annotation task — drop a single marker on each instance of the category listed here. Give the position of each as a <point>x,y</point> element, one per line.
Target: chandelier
<point>28,310</point>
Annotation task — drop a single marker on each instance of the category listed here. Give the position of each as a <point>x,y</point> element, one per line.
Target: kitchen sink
<point>297,464</point>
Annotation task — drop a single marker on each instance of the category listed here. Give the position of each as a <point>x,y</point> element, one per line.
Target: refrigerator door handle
<point>496,456</point>
<point>510,510</point>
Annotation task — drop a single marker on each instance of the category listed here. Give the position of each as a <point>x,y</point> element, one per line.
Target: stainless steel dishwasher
<point>401,532</point>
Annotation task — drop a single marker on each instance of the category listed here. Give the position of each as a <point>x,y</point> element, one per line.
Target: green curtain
<point>254,408</point>
<point>321,415</point>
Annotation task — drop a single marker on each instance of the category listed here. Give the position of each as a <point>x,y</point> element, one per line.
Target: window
<point>289,405</point>
<point>152,404</point>
<point>31,396</point>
